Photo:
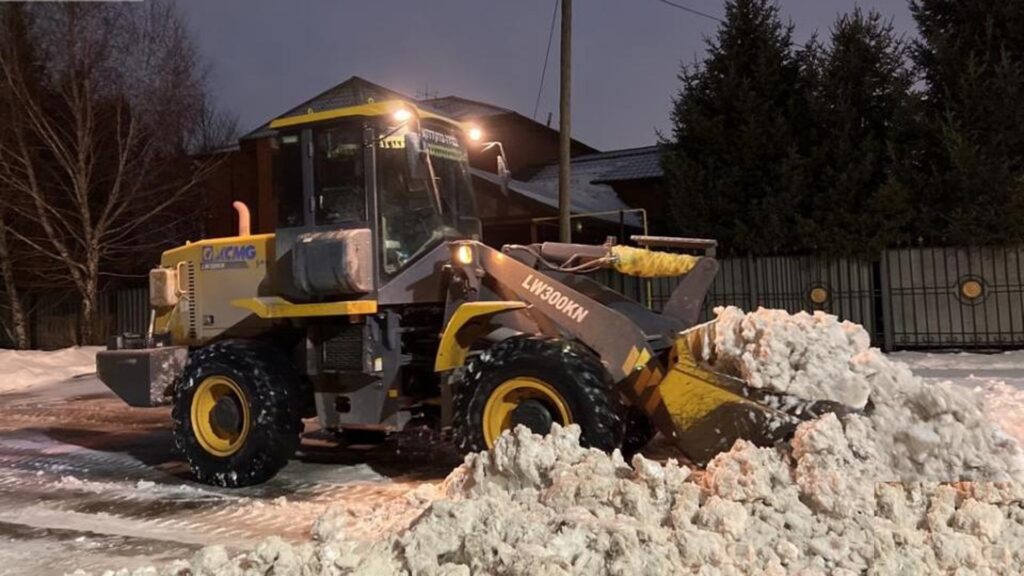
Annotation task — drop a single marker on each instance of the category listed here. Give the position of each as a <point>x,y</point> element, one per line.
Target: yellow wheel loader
<point>375,306</point>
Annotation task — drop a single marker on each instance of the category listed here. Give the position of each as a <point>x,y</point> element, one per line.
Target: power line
<point>547,53</point>
<point>710,16</point>
<point>691,10</point>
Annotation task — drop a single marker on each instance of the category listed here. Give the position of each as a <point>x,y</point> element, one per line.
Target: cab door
<point>321,182</point>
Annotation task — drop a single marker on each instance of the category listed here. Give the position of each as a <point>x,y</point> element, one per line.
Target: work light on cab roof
<point>402,115</point>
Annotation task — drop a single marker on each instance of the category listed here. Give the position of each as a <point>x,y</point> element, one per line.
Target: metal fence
<point>55,319</point>
<point>906,299</point>
<point>132,310</point>
<point>844,287</point>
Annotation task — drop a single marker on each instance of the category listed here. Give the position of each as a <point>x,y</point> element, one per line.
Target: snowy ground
<point>86,482</point>
<point>37,369</point>
<point>998,378</point>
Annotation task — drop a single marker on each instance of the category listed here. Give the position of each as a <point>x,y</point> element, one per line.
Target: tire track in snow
<point>82,465</point>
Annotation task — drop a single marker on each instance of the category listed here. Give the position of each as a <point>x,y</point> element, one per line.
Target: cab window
<point>409,218</point>
<point>287,170</point>
<point>339,194</point>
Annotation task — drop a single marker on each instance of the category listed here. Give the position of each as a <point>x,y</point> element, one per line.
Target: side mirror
<point>504,174</point>
<point>414,155</point>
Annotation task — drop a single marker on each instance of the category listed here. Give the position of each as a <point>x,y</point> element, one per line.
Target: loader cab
<point>364,193</point>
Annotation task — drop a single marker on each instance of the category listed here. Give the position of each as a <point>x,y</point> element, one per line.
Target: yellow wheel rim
<point>214,438</point>
<point>510,394</point>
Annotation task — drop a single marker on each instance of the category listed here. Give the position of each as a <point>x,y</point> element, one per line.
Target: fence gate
<point>953,297</point>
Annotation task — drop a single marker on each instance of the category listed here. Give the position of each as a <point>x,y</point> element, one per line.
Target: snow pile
<point>20,369</point>
<point>1004,404</point>
<point>852,495</point>
<point>795,354</point>
<point>544,505</point>
<point>911,430</point>
<point>998,379</point>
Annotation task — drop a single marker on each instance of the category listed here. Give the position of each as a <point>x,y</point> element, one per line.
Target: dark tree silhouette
<point>735,164</point>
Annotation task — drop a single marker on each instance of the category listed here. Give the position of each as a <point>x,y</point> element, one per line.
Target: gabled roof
<point>591,178</point>
<point>357,90</point>
<point>351,92</point>
<point>460,108</point>
<point>612,166</point>
<point>463,109</point>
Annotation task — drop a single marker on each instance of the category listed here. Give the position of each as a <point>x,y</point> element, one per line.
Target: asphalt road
<point>87,482</point>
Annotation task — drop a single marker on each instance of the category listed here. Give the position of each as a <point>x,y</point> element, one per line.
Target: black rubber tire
<point>570,368</point>
<point>273,393</point>
<point>639,432</point>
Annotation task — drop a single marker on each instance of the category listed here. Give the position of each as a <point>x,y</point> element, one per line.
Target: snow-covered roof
<point>586,198</point>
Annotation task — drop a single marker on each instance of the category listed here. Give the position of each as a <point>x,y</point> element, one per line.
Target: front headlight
<point>464,254</point>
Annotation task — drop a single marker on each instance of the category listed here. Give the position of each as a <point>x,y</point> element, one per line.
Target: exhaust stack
<point>243,217</point>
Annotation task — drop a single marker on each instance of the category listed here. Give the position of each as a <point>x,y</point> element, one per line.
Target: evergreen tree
<point>969,184</point>
<point>736,163</point>
<point>863,112</point>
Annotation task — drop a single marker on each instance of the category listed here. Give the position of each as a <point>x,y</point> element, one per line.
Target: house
<point>621,187</point>
<point>611,184</point>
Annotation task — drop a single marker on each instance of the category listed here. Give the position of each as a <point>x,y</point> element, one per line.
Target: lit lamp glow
<point>401,115</point>
<point>464,254</point>
<point>475,134</point>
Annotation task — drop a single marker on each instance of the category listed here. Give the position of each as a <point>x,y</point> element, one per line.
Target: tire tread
<point>276,420</point>
<point>569,361</point>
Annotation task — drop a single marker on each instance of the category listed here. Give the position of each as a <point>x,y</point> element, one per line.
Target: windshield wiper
<point>433,180</point>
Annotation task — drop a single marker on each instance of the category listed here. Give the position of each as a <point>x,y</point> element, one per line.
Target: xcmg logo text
<point>239,253</point>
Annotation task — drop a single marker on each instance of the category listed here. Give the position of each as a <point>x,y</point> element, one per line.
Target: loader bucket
<point>705,412</point>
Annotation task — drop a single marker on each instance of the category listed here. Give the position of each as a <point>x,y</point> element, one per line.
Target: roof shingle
<point>462,108</point>
<point>612,166</point>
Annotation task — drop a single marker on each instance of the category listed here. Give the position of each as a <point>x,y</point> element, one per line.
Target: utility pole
<point>564,126</point>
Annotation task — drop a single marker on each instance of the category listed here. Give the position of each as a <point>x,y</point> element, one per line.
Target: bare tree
<point>18,329</point>
<point>100,149</point>
<point>14,44</point>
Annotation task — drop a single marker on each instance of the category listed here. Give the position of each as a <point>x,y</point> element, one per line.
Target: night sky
<point>269,55</point>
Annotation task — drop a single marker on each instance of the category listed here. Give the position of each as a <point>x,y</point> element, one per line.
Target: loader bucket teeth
<point>703,414</point>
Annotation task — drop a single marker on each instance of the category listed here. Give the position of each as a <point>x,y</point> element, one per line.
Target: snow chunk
<point>794,353</point>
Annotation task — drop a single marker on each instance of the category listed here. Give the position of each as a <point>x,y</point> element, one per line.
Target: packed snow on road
<point>35,369</point>
<point>88,483</point>
<point>924,480</point>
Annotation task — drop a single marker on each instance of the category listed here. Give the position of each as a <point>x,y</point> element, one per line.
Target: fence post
<point>753,283</point>
<point>886,301</point>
